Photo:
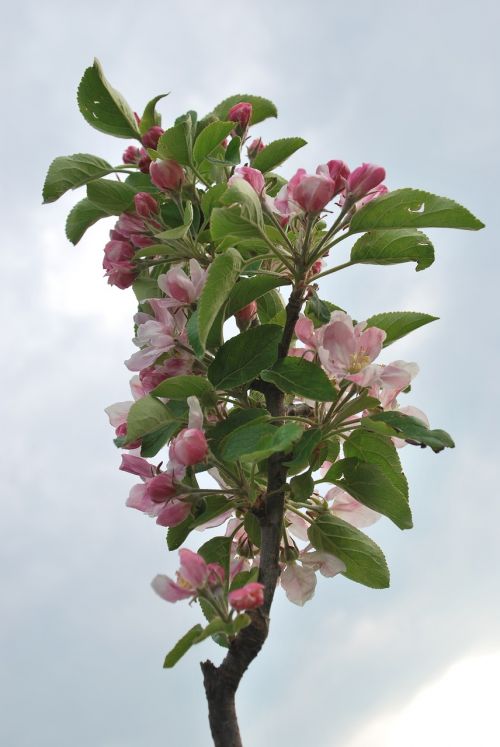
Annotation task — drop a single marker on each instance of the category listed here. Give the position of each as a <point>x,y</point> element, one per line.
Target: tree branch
<point>222,682</point>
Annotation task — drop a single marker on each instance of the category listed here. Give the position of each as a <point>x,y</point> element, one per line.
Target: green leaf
<point>141,183</point>
<point>179,231</point>
<point>111,196</point>
<point>252,528</point>
<point>232,155</point>
<point>243,578</point>
<point>247,290</point>
<point>393,247</point>
<point>175,143</point>
<point>217,550</point>
<point>304,450</point>
<point>211,197</point>
<point>319,311</point>
<point>299,376</point>
<point>412,430</point>
<point>235,419</point>
<point>103,107</point>
<point>181,387</point>
<point>271,308</point>
<point>397,324</point>
<point>150,116</point>
<point>146,287</point>
<point>146,416</point>
<point>209,138</point>
<point>256,441</point>
<point>377,449</point>
<point>215,626</point>
<point>244,195</point>
<point>215,505</point>
<point>413,208</point>
<point>70,172</point>
<point>182,646</point>
<point>276,152</point>
<point>176,535</point>
<point>261,108</point>
<point>229,223</point>
<point>243,357</point>
<point>302,486</point>
<point>370,484</point>
<point>83,215</point>
<point>364,560</point>
<point>153,442</point>
<point>222,275</point>
<point>353,406</point>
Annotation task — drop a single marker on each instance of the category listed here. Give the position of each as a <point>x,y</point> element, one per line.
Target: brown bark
<point>222,682</point>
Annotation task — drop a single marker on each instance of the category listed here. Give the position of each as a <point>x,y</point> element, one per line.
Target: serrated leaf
<point>70,172</point>
<point>229,223</point>
<point>320,311</point>
<point>413,208</point>
<point>299,376</point>
<point>247,290</point>
<point>150,117</point>
<point>175,143</point>
<point>211,197</point>
<point>261,108</point>
<point>243,357</point>
<point>182,646</point>
<point>243,194</point>
<point>393,247</point>
<point>256,441</point>
<point>181,387</point>
<point>412,430</point>
<point>103,107</point>
<point>210,138</point>
<point>83,215</point>
<point>276,152</point>
<point>377,449</point>
<point>147,415</point>
<point>222,275</point>
<point>364,560</point>
<point>111,196</point>
<point>397,324</point>
<point>176,535</point>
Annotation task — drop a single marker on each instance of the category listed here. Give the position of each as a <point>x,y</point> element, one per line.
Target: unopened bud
<point>151,137</point>
<point>167,175</point>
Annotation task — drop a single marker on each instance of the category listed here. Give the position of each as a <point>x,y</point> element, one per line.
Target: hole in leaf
<point>419,209</point>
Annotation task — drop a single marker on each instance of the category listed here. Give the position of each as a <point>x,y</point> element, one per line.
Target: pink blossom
<point>145,205</point>
<point>174,512</point>
<point>158,334</point>
<point>120,269</point>
<point>386,382</point>
<point>241,114</point>
<point>245,315</point>
<point>193,577</point>
<point>349,509</point>
<point>328,565</point>
<point>285,202</point>
<point>337,171</point>
<point>189,447</point>
<point>255,148</point>
<point>377,192</point>
<point>132,154</point>
<point>167,175</point>
<point>249,597</point>
<point>176,284</point>
<point>299,583</point>
<point>363,179</point>
<point>253,176</point>
<point>151,137</point>
<point>179,363</point>
<point>144,163</point>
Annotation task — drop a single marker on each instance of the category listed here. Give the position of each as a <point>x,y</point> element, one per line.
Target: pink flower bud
<point>245,315</point>
<point>215,574</point>
<point>132,154</point>
<point>190,447</point>
<point>121,432</point>
<point>151,137</point>
<point>255,148</point>
<point>314,192</point>
<point>144,163</point>
<point>173,513</point>
<point>120,270</point>
<point>248,597</point>
<point>145,205</point>
<point>160,488</point>
<point>338,171</point>
<point>363,179</point>
<point>166,175</point>
<point>253,176</point>
<point>240,113</point>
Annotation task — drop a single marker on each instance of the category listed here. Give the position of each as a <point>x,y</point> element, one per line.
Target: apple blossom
<point>248,597</point>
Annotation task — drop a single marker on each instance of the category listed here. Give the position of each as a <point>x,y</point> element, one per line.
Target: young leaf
<point>146,416</point>
<point>411,429</point>
<point>393,247</point>
<point>247,290</point>
<point>261,108</point>
<point>222,275</point>
<point>150,117</point>
<point>209,138</point>
<point>374,485</point>
<point>413,208</point>
<point>103,107</point>
<point>397,324</point>
<point>70,172</point>
<point>298,376</point>
<point>83,215</point>
<point>182,646</point>
<point>244,195</point>
<point>243,357</point>
<point>276,152</point>
<point>364,560</point>
<point>181,387</point>
<point>256,441</point>
<point>230,223</point>
<point>112,196</point>
<point>175,143</point>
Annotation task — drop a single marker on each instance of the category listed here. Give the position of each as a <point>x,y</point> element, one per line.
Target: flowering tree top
<point>277,422</point>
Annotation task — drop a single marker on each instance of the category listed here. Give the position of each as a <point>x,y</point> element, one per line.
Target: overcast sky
<point>413,87</point>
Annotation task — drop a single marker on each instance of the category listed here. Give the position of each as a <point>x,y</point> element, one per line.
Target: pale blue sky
<point>412,87</point>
